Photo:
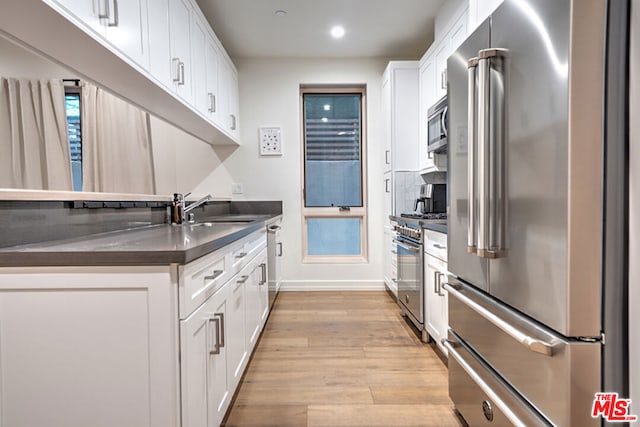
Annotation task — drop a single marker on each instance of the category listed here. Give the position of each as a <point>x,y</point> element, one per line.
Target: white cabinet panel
<point>388,199</point>
<point>228,88</point>
<point>437,319</point>
<point>159,42</point>
<point>212,89</point>
<point>179,22</point>
<point>198,64</point>
<point>458,33</point>
<point>386,121</point>
<point>88,347</point>
<point>126,29</point>
<point>237,350</point>
<point>442,52</point>
<point>86,12</point>
<point>203,363</point>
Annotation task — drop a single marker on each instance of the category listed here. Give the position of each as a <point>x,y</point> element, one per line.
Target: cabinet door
<point>87,12</point>
<point>427,99</point>
<point>263,288</point>
<point>203,363</point>
<point>236,325</point>
<point>388,197</point>
<point>126,29</point>
<point>457,34</point>
<point>159,42</point>
<point>386,122</point>
<point>198,64</point>
<point>213,97</point>
<point>228,88</point>
<point>436,311</point>
<point>442,54</point>
<point>179,22</point>
<point>252,304</point>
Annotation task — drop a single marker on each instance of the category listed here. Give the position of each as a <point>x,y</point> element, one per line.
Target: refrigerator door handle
<point>492,136</point>
<point>450,346</point>
<point>471,156</point>
<point>533,344</point>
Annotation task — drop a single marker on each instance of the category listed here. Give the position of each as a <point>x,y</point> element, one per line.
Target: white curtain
<point>34,144</point>
<point>116,144</point>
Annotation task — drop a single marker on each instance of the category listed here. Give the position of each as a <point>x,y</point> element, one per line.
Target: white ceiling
<point>394,29</point>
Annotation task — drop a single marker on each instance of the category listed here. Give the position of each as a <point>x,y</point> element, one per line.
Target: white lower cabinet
<point>435,297</point>
<point>88,346</point>
<point>114,346</point>
<point>204,358</point>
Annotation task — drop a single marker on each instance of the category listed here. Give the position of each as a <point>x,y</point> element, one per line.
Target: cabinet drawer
<point>247,249</point>
<point>201,278</point>
<point>435,244</point>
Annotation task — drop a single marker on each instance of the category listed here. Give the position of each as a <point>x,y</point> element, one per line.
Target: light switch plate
<point>270,141</point>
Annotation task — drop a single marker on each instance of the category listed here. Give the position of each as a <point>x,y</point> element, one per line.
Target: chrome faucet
<point>179,208</point>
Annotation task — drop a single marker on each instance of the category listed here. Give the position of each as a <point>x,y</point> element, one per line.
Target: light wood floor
<point>341,359</point>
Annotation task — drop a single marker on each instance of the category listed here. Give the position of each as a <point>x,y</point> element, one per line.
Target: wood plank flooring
<point>341,359</point>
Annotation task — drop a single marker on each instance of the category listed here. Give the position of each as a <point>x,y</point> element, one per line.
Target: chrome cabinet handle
<point>216,342</point>
<point>443,79</point>
<point>242,279</point>
<point>436,245</point>
<point>116,19</point>
<point>233,122</point>
<point>241,255</point>
<point>440,284</point>
<point>280,247</point>
<point>435,282</point>
<point>103,13</point>
<point>263,279</point>
<point>222,334</point>
<point>212,102</point>
<point>386,185</point>
<point>533,344</point>
<point>181,69</point>
<point>275,228</point>
<point>215,274</point>
<point>471,156</point>
<point>450,346</point>
<point>176,63</point>
<point>387,160</point>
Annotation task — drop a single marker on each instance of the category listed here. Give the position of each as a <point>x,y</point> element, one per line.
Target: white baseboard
<point>332,285</point>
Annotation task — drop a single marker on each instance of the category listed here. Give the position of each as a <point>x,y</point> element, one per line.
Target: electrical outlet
<point>237,188</point>
<point>270,141</point>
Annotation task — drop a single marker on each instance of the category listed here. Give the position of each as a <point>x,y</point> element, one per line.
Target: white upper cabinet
<point>180,30</point>
<point>212,88</point>
<point>159,40</point>
<point>122,22</point>
<point>479,10</point>
<point>228,89</point>
<point>198,64</point>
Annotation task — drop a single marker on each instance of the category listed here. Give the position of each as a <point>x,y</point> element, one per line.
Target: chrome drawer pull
<point>241,255</point>
<point>216,344</point>
<point>435,245</point>
<point>242,279</point>
<point>531,343</point>
<point>214,276</point>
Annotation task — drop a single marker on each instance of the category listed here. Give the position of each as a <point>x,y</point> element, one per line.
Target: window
<point>334,174</point>
<point>72,105</point>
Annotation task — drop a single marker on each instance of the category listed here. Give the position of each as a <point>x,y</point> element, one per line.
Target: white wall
<point>270,96</point>
<point>183,163</point>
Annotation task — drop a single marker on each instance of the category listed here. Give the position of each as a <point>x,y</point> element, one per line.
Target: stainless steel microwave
<point>437,131</point>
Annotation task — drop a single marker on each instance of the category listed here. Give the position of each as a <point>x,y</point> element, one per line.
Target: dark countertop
<point>438,225</point>
<point>160,244</point>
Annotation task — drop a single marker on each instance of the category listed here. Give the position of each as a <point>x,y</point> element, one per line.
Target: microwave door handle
<point>443,121</point>
<point>472,231</point>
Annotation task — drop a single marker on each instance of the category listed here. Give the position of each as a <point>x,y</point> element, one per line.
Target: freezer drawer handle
<point>450,346</point>
<point>531,343</point>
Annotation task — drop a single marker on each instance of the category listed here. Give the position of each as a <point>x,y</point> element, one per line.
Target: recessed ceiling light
<point>327,107</point>
<point>324,120</point>
<point>280,12</point>
<point>337,32</point>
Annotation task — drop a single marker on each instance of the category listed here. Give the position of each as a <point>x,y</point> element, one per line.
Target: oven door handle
<point>409,248</point>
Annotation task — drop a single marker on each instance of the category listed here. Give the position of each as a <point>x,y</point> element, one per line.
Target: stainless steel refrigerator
<point>527,226</point>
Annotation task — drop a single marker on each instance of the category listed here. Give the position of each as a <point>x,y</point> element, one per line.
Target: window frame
<point>356,212</point>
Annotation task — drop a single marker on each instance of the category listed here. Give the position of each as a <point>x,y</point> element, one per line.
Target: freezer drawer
<point>557,375</point>
<point>482,397</point>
